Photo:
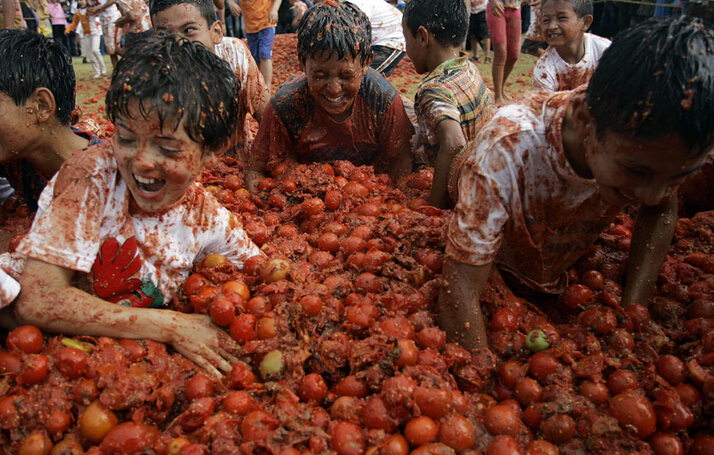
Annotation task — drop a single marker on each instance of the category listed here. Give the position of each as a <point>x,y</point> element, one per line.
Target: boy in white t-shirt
<point>125,223</point>
<point>572,54</point>
<point>551,171</point>
<point>196,20</point>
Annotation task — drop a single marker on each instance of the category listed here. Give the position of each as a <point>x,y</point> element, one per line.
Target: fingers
<point>228,356</point>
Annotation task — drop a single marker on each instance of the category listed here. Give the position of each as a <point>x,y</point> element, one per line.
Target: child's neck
<point>439,54</point>
<point>57,148</point>
<point>574,51</point>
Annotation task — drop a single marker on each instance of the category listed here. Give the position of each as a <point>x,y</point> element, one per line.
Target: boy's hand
<point>496,7</point>
<point>235,9</point>
<point>207,345</point>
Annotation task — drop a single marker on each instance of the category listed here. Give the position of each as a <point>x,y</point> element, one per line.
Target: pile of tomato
<point>341,351</point>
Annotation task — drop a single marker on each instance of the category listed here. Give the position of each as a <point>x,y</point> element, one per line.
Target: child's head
<point>563,21</point>
<point>651,97</point>
<point>446,20</point>
<point>82,3</point>
<point>192,19</point>
<point>174,106</point>
<point>335,51</point>
<point>37,84</point>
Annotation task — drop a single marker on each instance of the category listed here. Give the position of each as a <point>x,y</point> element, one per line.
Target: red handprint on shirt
<point>115,271</point>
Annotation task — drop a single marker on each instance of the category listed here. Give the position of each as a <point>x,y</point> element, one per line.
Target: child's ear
<point>43,105</point>
<point>422,35</point>
<point>367,63</point>
<point>216,32</point>
<point>587,21</point>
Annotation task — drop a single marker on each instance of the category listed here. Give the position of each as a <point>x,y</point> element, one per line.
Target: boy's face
<point>186,20</point>
<point>559,23</point>
<point>640,170</point>
<point>415,48</point>
<point>334,83</point>
<point>82,3</point>
<point>158,165</point>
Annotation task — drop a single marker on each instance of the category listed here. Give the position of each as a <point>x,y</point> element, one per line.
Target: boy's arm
<point>451,140</point>
<point>234,7</point>
<point>100,8</point>
<point>652,236</point>
<point>401,165</point>
<point>458,305</point>
<point>127,18</point>
<point>273,15</point>
<point>48,301</point>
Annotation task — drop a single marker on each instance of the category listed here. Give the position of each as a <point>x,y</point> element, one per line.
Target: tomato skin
<point>597,392</point>
<point>71,362</point>
<point>133,349</point>
<point>129,438</point>
<point>501,420</point>
<point>374,415</point>
<point>621,380</point>
<point>664,443</point>
<point>434,403</point>
<point>313,388</point>
<point>457,432</point>
<point>503,445</point>
<point>432,337</point>
<point>503,320</point>
<point>10,364</point>
<point>34,369</point>
<point>241,376</point>
<point>238,402</point>
<point>558,428</point>
<point>421,430</point>
<point>702,445</point>
<point>57,423</point>
<point>541,447</point>
<point>26,338</point>
<point>37,443</point>
<point>243,328</point>
<point>634,413</point>
<point>510,372</point>
<point>347,439</point>
<point>352,386</point>
<point>527,391</point>
<point>671,369</point>
<point>576,295</point>
<point>542,365</point>
<point>194,283</point>
<point>199,386</point>
<point>96,421</point>
<point>409,353</point>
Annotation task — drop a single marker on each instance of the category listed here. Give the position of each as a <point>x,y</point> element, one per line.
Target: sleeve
<point>543,79</point>
<point>73,25</point>
<point>255,83</point>
<point>65,231</point>
<point>437,104</point>
<point>475,232</point>
<point>273,143</point>
<point>226,237</point>
<point>395,129</point>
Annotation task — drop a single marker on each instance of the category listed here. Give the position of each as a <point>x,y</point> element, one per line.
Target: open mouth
<point>148,185</point>
<point>334,100</point>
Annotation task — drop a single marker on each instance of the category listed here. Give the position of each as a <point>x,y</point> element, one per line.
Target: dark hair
<point>581,7</point>
<point>204,6</point>
<point>657,80</point>
<point>331,27</point>
<point>177,79</point>
<point>447,20</point>
<point>30,61</point>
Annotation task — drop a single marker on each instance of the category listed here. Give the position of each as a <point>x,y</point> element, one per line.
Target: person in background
<point>533,43</point>
<point>573,54</point>
<point>91,35</point>
<point>551,171</point>
<point>260,18</point>
<point>504,25</point>
<point>135,21</point>
<point>11,14</point>
<point>59,22</point>
<point>128,219</point>
<point>108,14</point>
<point>452,103</point>
<point>478,30</point>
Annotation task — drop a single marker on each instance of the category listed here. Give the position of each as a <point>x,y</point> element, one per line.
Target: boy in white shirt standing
<point>572,54</point>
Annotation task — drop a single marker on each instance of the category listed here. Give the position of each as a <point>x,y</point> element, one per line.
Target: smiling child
<point>130,218</point>
<point>340,109</point>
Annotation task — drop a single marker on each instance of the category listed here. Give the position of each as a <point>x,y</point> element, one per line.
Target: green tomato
<point>536,341</point>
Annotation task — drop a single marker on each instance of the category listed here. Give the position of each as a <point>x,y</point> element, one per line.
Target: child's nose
<point>144,160</point>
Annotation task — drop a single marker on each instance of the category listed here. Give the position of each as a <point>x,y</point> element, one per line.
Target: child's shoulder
<point>377,91</point>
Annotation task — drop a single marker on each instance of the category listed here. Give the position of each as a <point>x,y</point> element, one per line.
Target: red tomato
<point>355,189</point>
<point>313,388</point>
<point>258,306</point>
<point>258,426</point>
<point>328,242</point>
<point>199,386</point>
<point>233,182</point>
<point>289,185</point>
<point>457,432</point>
<point>503,445</point>
<point>671,369</point>
<point>362,314</point>
<point>311,305</point>
<point>421,430</point>
<point>576,295</point>
<point>432,337</point>
<point>26,338</point>
<point>621,380</point>
<point>85,391</point>
<point>558,428</point>
<point>34,369</point>
<point>395,445</point>
<point>241,376</point>
<point>527,391</point>
<point>501,420</point>
<point>542,365</point>
<point>397,327</point>
<point>194,283</point>
<point>620,339</point>
<point>434,403</point>
<point>597,392</point>
<point>266,328</point>
<point>242,329</point>
<point>374,415</point>
<point>129,438</point>
<point>640,316</point>
<point>9,363</point>
<point>133,349</point>
<point>509,372</point>
<point>71,362</point>
<point>702,444</point>
<point>352,244</point>
<point>368,283</point>
<point>532,415</point>
<point>203,298</point>
<point>664,443</point>
<point>503,320</point>
<point>541,447</point>
<point>408,355</point>
<point>689,394</point>
<point>635,414</point>
<point>352,386</point>
<point>57,423</point>
<point>347,439</point>
<point>238,402</point>
<point>593,279</point>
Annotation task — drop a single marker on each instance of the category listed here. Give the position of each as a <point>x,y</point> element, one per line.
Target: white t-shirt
<point>386,23</point>
<point>478,6</point>
<point>84,223</point>
<point>521,204</point>
<point>552,73</point>
<point>107,16</point>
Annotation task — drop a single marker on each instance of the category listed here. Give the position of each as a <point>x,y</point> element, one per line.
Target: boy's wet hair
<point>656,80</point>
<point>334,28</point>
<point>206,8</point>
<point>447,20</point>
<point>178,79</point>
<point>30,61</point>
<point>581,7</point>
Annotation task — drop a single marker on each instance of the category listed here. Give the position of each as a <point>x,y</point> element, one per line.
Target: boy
<point>533,42</point>
<point>478,30</point>
<point>572,54</point>
<point>340,109</point>
<point>36,104</point>
<point>452,103</point>
<point>91,37</point>
<point>108,14</point>
<point>196,20</point>
<point>549,173</point>
<point>130,220</point>
<point>260,18</point>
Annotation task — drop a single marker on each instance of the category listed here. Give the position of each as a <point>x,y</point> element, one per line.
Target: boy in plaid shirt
<point>452,103</point>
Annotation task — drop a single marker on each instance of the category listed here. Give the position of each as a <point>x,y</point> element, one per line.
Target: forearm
<point>652,236</point>
<point>459,308</point>
<point>401,165</point>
